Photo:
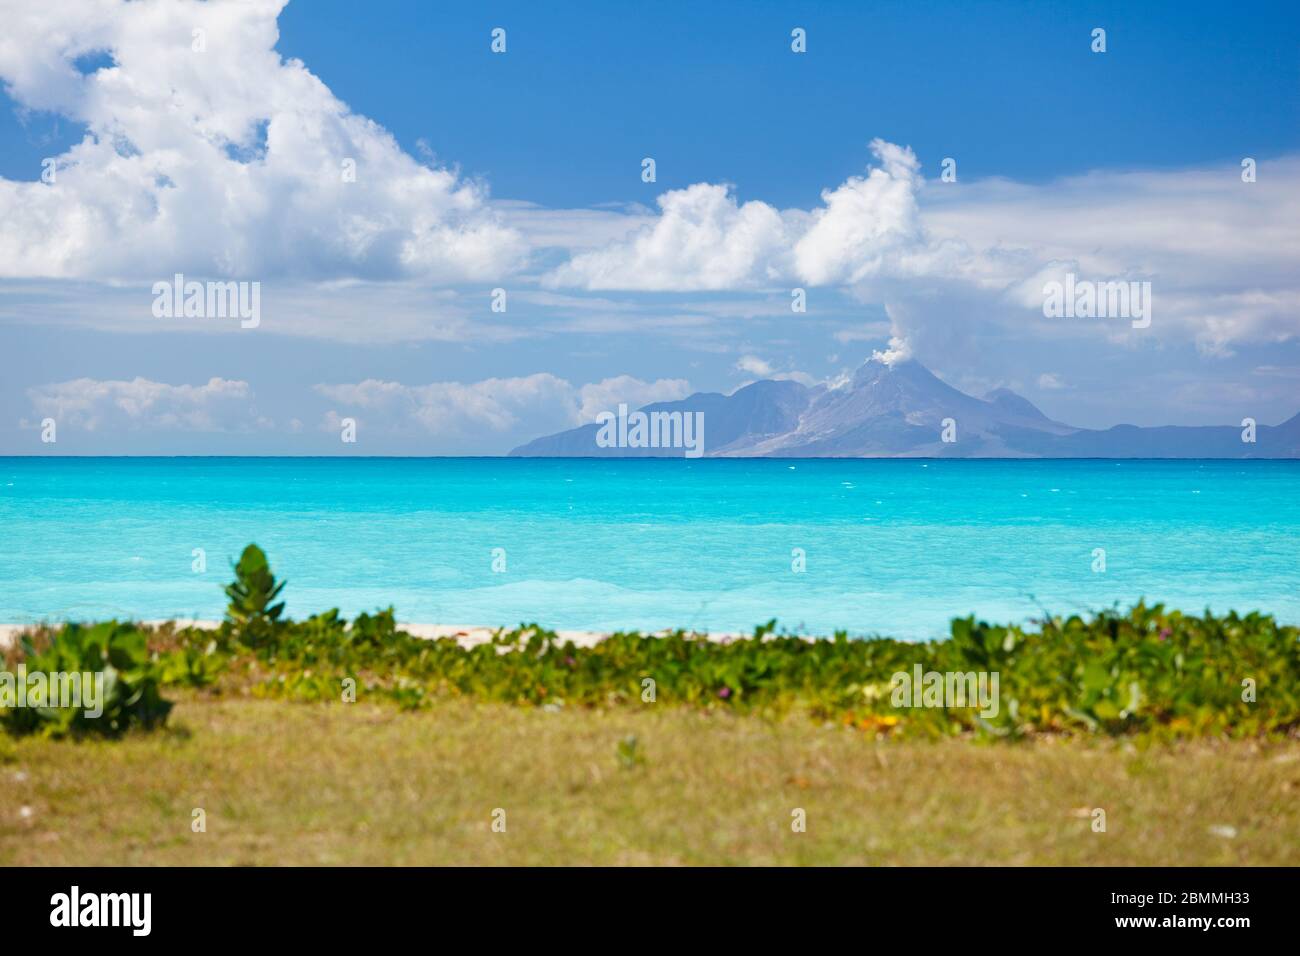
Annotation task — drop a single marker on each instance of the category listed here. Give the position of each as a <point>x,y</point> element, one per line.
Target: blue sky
<point>712,91</point>
<point>522,171</point>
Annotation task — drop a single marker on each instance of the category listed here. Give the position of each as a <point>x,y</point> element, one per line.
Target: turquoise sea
<point>894,547</point>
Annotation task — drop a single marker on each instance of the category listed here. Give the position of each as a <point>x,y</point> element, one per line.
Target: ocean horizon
<point>895,547</point>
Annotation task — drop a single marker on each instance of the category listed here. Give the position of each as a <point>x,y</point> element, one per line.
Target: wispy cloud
<point>216,406</point>
<point>541,402</point>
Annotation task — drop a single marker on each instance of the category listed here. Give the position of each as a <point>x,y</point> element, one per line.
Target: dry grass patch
<point>284,783</point>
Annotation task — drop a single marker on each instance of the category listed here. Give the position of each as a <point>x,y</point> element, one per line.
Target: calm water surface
<point>891,546</point>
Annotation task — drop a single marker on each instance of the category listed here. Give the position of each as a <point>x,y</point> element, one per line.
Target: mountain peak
<point>876,369</point>
<point>895,406</point>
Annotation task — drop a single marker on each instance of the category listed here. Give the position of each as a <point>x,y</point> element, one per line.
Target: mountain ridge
<point>903,410</point>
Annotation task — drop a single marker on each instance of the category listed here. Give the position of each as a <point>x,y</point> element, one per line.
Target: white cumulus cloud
<point>93,405</point>
<point>224,160</point>
<point>865,225</point>
<point>704,239</point>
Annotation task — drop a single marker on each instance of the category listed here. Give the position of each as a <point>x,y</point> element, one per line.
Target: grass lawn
<point>293,783</point>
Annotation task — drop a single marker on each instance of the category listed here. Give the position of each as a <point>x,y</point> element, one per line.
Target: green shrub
<point>1145,671</point>
<point>251,616</point>
<point>130,682</point>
